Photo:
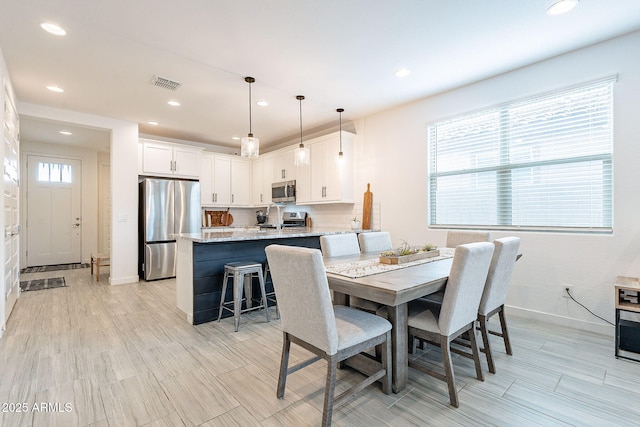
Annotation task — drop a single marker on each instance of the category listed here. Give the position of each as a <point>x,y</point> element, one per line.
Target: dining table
<point>363,276</point>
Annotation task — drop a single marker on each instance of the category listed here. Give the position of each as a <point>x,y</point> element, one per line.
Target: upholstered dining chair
<point>495,293</point>
<point>332,333</point>
<point>375,241</point>
<point>460,237</point>
<point>333,245</point>
<point>441,324</point>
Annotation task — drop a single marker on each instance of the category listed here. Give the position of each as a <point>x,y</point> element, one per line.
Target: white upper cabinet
<point>328,179</point>
<point>240,181</point>
<point>215,180</point>
<point>284,165</point>
<point>164,159</point>
<point>225,180</point>
<point>262,177</point>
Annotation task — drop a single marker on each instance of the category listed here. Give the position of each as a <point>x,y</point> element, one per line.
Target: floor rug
<point>57,267</point>
<point>40,284</point>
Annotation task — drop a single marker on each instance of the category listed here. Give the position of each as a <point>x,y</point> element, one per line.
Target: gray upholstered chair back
<point>376,241</point>
<point>339,244</point>
<point>500,271</point>
<point>465,286</point>
<point>457,238</point>
<point>302,291</point>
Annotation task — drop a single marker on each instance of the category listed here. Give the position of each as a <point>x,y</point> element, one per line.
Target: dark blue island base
<point>207,271</point>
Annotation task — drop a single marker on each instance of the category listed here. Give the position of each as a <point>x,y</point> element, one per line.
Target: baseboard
<point>123,280</point>
<point>554,319</point>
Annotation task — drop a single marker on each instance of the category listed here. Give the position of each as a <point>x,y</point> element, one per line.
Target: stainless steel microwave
<point>283,192</point>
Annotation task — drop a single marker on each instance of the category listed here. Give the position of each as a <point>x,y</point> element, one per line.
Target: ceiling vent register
<point>164,83</point>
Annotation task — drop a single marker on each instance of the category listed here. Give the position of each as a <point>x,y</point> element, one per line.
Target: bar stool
<point>271,296</point>
<point>242,273</point>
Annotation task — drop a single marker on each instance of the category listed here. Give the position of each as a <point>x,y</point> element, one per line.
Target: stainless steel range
<point>290,219</point>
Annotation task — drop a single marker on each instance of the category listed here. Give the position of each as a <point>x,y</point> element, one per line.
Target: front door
<point>54,221</point>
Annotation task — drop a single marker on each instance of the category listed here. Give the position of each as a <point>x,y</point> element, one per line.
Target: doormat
<point>57,267</point>
<point>40,284</point>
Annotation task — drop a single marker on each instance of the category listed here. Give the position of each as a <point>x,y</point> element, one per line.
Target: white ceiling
<point>338,53</point>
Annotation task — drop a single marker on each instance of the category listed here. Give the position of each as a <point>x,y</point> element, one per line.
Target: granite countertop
<point>255,233</point>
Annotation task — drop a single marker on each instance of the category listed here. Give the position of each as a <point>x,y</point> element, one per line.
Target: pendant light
<point>250,146</point>
<point>340,110</point>
<point>302,154</point>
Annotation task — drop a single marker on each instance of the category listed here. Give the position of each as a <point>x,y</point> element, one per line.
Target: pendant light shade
<point>250,146</point>
<point>340,110</point>
<point>302,154</point>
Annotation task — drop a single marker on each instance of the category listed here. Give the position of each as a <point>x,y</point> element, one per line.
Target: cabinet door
<point>206,181</point>
<point>284,166</point>
<point>157,158</point>
<point>267,179</point>
<point>332,171</point>
<point>257,196</point>
<point>222,180</point>
<point>262,177</point>
<point>318,171</point>
<point>240,182</point>
<point>186,161</point>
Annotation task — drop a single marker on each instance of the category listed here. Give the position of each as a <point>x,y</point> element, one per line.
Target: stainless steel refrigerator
<point>167,207</point>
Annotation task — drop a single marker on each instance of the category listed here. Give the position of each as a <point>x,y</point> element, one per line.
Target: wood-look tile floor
<point>92,354</point>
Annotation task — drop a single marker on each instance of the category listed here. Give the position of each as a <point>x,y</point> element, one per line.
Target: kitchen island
<point>202,257</point>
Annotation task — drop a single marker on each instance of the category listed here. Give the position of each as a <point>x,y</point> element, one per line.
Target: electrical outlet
<point>566,288</point>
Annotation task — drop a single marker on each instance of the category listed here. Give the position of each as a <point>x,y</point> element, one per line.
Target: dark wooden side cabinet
<point>628,318</point>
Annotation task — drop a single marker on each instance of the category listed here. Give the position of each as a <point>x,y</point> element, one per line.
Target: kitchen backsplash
<point>331,216</point>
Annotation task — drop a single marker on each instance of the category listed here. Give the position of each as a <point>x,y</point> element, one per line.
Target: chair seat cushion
<point>424,315</point>
<point>355,326</point>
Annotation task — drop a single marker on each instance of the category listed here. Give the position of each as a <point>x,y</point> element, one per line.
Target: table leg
<point>340,299</point>
<point>398,316</point>
<point>98,270</point>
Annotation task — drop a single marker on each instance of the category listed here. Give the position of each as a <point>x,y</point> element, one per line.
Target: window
<point>54,172</point>
<point>540,163</point>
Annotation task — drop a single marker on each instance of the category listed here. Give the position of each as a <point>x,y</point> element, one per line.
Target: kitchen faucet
<point>279,219</point>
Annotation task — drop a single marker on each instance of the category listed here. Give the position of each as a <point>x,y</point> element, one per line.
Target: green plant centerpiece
<point>408,253</point>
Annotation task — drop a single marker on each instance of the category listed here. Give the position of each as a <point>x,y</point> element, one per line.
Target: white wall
<point>124,185</point>
<point>89,192</point>
<point>392,155</point>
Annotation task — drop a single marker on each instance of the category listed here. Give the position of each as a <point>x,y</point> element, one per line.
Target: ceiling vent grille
<point>164,83</point>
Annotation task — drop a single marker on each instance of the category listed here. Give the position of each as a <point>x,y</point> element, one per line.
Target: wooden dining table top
<point>391,287</point>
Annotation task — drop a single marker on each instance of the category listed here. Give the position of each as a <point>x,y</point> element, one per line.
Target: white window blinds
<point>539,163</point>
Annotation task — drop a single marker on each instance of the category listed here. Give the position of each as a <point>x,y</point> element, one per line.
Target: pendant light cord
<point>300,98</point>
<point>250,132</point>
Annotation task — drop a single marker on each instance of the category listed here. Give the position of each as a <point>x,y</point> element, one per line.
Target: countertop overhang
<point>261,234</point>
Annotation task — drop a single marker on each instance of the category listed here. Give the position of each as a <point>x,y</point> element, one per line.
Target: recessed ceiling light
<point>235,138</point>
<point>65,132</point>
<point>54,29</point>
<point>402,72</point>
<point>152,123</point>
<point>561,6</point>
<point>262,103</point>
<point>173,103</point>
<point>53,88</point>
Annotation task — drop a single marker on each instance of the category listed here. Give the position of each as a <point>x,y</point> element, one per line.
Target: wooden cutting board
<point>227,218</point>
<point>366,208</point>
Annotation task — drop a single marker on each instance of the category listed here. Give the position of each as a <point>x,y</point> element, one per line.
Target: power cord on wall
<point>583,306</point>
